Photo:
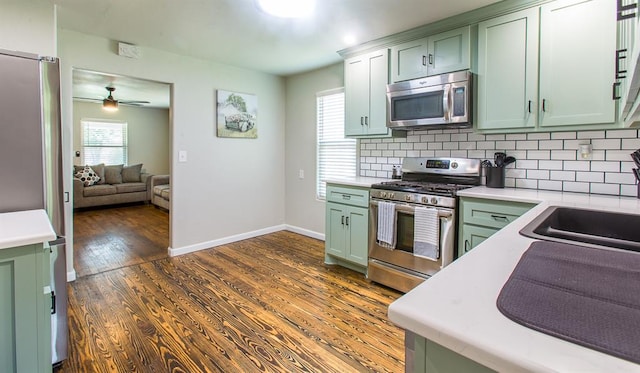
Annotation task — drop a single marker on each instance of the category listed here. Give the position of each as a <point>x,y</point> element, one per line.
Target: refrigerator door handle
<point>53,302</point>
<point>60,240</point>
<point>66,196</point>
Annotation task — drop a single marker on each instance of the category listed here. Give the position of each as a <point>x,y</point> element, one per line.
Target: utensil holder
<point>494,177</point>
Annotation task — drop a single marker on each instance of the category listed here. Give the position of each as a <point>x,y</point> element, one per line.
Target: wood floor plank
<point>267,304</point>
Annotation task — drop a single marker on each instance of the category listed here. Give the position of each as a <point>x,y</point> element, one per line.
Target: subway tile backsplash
<point>548,161</point>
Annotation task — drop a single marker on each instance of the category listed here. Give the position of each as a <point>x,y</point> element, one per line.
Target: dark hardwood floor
<point>267,304</point>
<point>116,237</point>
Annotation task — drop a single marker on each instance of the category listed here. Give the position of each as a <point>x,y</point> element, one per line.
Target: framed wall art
<point>237,115</point>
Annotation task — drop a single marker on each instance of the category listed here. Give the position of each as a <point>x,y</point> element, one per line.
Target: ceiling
<point>236,32</point>
<point>91,84</point>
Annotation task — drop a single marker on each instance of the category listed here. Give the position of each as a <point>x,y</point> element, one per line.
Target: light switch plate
<point>182,156</point>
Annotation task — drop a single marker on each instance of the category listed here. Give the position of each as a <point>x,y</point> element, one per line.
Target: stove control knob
<point>383,194</point>
<point>408,197</point>
<point>425,200</point>
<point>454,165</point>
<point>434,200</point>
<point>391,195</point>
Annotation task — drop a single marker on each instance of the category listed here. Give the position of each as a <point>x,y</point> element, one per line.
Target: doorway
<point>119,120</point>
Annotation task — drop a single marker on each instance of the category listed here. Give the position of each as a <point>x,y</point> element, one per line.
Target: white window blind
<point>336,155</point>
<point>104,142</point>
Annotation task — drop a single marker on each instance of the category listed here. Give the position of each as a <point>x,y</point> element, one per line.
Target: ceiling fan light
<point>109,105</point>
<point>287,8</point>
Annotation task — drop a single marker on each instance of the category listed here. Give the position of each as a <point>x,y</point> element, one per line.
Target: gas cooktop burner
<point>421,187</point>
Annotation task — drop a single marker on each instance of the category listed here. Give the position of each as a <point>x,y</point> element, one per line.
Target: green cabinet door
<point>577,62</point>
<point>409,60</point>
<point>508,71</point>
<point>449,51</point>
<point>335,239</point>
<point>356,76</point>
<point>471,236</point>
<point>376,122</point>
<point>432,357</point>
<point>25,321</point>
<point>357,235</point>
<point>366,79</point>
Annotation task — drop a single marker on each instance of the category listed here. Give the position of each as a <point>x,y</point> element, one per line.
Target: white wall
<point>303,210</point>
<point>228,187</point>
<point>28,26</point>
<point>147,131</point>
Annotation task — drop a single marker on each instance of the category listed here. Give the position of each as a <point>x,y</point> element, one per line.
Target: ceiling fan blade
<point>133,102</point>
<point>88,99</point>
<point>129,103</point>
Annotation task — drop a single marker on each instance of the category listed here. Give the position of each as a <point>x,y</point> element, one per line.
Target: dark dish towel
<point>587,296</point>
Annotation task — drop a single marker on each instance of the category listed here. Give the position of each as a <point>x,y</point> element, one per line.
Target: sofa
<point>160,191</point>
<point>101,185</point>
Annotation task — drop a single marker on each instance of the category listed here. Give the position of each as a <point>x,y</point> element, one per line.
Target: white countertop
<point>457,307</point>
<point>358,181</point>
<point>24,228</point>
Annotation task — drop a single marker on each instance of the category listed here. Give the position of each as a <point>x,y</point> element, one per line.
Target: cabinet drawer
<point>348,195</point>
<point>491,213</point>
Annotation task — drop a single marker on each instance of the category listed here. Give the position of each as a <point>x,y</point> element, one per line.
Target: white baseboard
<point>305,232</point>
<point>71,275</point>
<point>224,241</point>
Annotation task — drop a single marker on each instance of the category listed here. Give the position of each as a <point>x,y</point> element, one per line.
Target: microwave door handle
<point>446,102</point>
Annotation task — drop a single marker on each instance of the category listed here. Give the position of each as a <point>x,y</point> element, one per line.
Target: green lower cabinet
<point>423,355</point>
<point>347,234</point>
<point>25,304</point>
<point>480,218</point>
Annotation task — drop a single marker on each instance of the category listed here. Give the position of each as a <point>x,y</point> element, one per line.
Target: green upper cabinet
<point>436,54</point>
<point>508,71</point>
<point>571,87</point>
<point>577,62</point>
<point>366,78</point>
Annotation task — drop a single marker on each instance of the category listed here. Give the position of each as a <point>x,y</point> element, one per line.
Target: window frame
<point>125,146</point>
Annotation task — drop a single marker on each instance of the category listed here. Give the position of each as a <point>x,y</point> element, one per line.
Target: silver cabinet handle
<point>499,218</point>
<point>342,219</point>
<point>346,196</point>
<point>430,59</point>
<point>544,105</point>
<point>366,120</point>
<point>424,60</point>
<point>347,221</point>
<point>529,107</point>
<point>467,246</point>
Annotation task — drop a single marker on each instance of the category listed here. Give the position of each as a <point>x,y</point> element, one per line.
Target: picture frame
<point>237,114</point>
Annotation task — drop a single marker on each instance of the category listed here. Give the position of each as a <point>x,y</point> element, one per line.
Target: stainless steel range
<point>412,222</point>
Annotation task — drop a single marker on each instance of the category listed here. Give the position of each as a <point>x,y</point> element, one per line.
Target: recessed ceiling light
<point>287,8</point>
<point>350,39</point>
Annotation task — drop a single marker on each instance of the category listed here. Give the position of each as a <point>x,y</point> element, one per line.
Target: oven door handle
<point>410,209</point>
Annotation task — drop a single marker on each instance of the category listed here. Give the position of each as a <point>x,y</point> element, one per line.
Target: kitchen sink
<point>586,227</point>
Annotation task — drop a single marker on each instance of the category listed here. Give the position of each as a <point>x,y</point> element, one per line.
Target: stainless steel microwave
<point>435,101</point>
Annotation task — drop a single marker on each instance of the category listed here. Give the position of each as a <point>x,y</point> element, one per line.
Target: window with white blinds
<point>104,142</point>
<point>336,155</point>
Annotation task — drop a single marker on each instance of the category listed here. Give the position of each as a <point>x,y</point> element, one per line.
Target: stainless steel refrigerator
<point>31,162</point>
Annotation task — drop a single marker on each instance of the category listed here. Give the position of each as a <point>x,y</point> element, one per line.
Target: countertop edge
<point>24,228</point>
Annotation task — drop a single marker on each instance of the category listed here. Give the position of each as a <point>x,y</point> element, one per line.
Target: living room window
<point>104,142</point>
<point>336,156</point>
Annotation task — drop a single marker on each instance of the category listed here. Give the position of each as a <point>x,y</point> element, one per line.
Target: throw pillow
<point>98,168</point>
<point>131,174</point>
<point>113,174</point>
<point>88,176</point>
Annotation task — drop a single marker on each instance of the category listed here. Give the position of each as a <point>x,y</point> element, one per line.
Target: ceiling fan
<point>110,103</point>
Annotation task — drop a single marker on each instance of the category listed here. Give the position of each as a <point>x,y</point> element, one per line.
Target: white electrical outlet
<point>301,174</point>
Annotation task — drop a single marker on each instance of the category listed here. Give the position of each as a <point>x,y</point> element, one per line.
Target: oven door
<point>402,255</point>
